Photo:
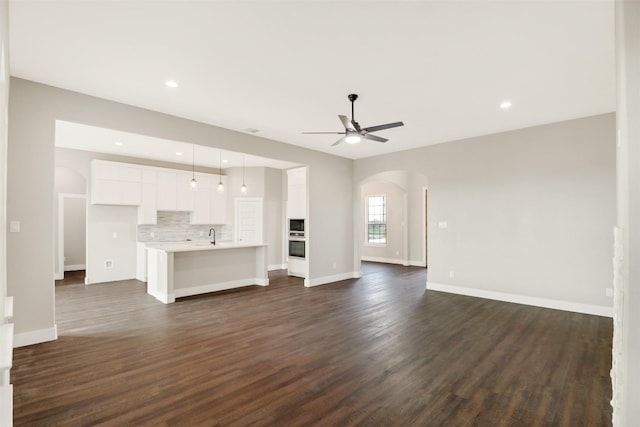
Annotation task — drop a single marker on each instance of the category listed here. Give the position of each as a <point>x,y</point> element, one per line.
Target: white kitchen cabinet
<point>219,203</point>
<point>115,183</point>
<point>174,191</point>
<point>166,187</point>
<point>148,210</point>
<point>202,199</point>
<point>185,195</point>
<point>297,193</point>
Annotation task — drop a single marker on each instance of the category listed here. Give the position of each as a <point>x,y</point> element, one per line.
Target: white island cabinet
<point>177,270</point>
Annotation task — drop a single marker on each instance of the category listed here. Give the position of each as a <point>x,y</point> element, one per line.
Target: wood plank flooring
<point>378,351</point>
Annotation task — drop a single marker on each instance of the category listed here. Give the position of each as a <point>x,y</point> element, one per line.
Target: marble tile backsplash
<point>173,226</point>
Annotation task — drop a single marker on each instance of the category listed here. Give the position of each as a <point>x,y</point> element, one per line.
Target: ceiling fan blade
<point>341,140</point>
<point>381,127</point>
<point>373,137</point>
<point>346,123</point>
<point>319,133</point>
<point>356,125</point>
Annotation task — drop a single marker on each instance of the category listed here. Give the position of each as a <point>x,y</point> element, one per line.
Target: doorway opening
<point>71,252</point>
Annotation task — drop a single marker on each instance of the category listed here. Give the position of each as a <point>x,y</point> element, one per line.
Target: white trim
<point>597,310</point>
<point>214,287</point>
<point>417,263</point>
<point>425,229</point>
<point>331,279</point>
<point>163,298</point>
<point>385,260</point>
<point>35,337</point>
<point>75,267</point>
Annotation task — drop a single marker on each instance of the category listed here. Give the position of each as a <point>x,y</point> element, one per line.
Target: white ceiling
<point>91,138</point>
<point>285,67</point>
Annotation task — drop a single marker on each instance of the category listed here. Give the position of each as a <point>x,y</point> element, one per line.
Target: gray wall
<point>33,109</point>
<point>529,212</point>
<point>626,342</point>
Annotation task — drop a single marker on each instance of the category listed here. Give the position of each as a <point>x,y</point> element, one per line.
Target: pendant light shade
<point>243,189</point>
<point>194,183</point>
<point>220,183</point>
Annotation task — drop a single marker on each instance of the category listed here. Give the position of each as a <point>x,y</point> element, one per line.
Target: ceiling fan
<point>353,133</point>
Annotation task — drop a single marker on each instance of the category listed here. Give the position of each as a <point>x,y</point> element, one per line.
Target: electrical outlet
<point>115,234</point>
<point>451,274</point>
<point>608,292</point>
<point>153,234</point>
<point>335,265</point>
<point>108,263</point>
<point>201,233</point>
<point>397,252</point>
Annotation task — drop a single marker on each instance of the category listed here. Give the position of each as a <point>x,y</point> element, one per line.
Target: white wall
<point>395,250</point>
<point>626,342</point>
<point>529,212</point>
<point>4,108</point>
<point>33,109</point>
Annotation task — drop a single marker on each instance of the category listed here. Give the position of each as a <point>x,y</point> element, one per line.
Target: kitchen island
<point>182,269</point>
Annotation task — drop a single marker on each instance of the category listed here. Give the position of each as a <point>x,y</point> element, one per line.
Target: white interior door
<point>249,220</point>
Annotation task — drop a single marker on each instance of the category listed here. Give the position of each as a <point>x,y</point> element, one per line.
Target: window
<point>377,220</point>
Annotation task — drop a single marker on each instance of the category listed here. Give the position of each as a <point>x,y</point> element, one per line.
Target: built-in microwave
<point>296,227</point>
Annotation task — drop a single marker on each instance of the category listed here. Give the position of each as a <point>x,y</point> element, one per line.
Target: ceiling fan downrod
<point>352,97</point>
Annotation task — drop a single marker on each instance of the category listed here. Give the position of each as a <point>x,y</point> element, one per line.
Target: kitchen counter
<point>179,269</point>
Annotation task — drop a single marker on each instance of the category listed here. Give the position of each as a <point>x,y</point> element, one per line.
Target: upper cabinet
<point>210,206</point>
<point>148,210</point>
<point>115,183</point>
<point>174,191</point>
<point>297,193</point>
<point>156,189</point>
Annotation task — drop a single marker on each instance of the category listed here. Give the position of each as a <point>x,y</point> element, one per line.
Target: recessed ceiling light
<point>119,144</point>
<point>171,84</point>
<point>178,153</point>
<point>505,105</point>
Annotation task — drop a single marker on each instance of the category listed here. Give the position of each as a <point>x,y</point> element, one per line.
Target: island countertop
<point>199,246</point>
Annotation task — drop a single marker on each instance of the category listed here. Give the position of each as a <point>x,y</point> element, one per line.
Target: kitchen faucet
<point>213,242</point>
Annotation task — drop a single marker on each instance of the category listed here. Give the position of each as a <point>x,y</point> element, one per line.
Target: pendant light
<point>220,184</point>
<point>243,189</point>
<point>194,183</point>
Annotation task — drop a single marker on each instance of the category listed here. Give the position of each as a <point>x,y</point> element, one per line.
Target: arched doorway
<point>406,193</point>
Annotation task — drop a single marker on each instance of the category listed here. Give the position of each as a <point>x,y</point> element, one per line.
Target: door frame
<point>60,261</point>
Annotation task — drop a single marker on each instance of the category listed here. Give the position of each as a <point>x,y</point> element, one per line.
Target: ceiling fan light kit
<point>353,133</point>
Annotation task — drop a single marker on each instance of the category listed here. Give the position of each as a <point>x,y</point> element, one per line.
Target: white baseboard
<point>385,260</point>
<point>75,267</point>
<point>58,276</point>
<point>331,279</point>
<point>277,267</point>
<point>417,263</point>
<point>214,287</point>
<point>597,310</point>
<point>35,337</point>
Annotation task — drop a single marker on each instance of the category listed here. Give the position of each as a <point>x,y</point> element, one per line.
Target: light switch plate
<point>442,224</point>
<point>14,227</point>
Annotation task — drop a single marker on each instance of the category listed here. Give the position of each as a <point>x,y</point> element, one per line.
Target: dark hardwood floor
<point>378,351</point>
